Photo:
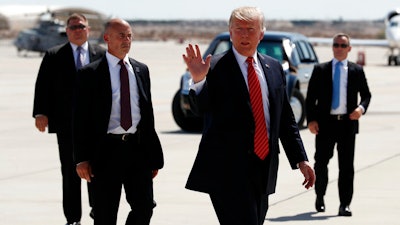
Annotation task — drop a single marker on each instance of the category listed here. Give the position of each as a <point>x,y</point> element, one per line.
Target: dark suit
<point>54,99</point>
<point>226,164</point>
<point>333,131</point>
<point>115,162</point>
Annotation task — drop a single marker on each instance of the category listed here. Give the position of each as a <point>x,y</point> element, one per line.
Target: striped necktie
<point>261,144</point>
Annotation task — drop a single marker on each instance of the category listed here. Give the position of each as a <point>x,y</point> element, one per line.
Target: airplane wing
<point>393,58</point>
<point>353,42</point>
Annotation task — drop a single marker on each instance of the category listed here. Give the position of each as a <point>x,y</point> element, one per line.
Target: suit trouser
<point>71,182</point>
<point>119,168</point>
<point>239,210</point>
<point>345,144</point>
<point>245,205</point>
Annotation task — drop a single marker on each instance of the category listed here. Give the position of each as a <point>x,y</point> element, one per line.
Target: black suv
<point>293,50</point>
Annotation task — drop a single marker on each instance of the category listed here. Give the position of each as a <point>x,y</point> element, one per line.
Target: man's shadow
<point>308,216</point>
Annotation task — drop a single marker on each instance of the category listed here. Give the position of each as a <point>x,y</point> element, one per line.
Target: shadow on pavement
<point>301,217</point>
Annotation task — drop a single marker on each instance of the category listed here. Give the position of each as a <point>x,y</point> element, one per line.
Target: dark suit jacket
<point>319,94</point>
<point>55,85</point>
<point>93,110</point>
<point>228,136</point>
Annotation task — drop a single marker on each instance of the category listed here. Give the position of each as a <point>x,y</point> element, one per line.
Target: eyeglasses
<point>337,45</point>
<point>76,27</point>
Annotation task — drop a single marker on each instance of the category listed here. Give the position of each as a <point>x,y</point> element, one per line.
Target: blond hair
<point>248,13</point>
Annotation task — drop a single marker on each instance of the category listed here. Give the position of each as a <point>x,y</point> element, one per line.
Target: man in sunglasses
<point>53,104</point>
<point>333,111</point>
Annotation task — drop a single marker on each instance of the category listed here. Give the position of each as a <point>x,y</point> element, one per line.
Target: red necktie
<point>261,144</point>
<point>126,117</point>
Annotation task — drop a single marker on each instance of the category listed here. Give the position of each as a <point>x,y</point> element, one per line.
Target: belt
<point>122,137</point>
<point>339,117</point>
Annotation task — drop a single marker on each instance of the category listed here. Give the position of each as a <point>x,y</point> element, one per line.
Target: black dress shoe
<point>344,211</point>
<point>320,205</point>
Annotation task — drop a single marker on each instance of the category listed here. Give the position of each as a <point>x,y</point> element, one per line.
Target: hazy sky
<point>220,9</point>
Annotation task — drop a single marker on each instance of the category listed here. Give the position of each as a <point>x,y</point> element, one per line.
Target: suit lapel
<point>92,53</point>
<point>236,81</point>
<point>236,76</point>
<point>139,78</point>
<point>95,52</point>
<point>103,73</point>
<point>328,81</point>
<point>266,70</point>
<point>271,83</point>
<point>68,53</point>
<point>351,80</point>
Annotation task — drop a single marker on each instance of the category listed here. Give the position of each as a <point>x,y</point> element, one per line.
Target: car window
<point>222,47</point>
<point>273,49</point>
<point>305,52</point>
<point>295,57</point>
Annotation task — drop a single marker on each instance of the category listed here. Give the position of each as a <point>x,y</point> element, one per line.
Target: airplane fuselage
<point>393,31</point>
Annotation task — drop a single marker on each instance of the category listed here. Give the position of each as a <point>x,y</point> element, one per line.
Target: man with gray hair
<point>333,112</point>
<point>241,94</point>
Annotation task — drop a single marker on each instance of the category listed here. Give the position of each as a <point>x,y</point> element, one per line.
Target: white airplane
<point>393,36</point>
<point>392,41</point>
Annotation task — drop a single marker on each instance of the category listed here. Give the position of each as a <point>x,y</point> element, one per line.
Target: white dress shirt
<point>342,109</point>
<point>114,126</point>
<point>84,52</point>
<point>197,87</point>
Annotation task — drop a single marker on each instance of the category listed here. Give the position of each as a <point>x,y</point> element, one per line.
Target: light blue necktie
<point>336,86</point>
<point>78,58</point>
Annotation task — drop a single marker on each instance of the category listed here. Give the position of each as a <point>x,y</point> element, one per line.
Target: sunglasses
<point>76,27</point>
<point>337,45</point>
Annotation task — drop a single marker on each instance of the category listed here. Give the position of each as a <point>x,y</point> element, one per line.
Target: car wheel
<point>298,106</point>
<point>192,124</point>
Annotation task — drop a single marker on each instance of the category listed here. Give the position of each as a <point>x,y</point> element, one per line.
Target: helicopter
<point>51,30</point>
<point>47,34</point>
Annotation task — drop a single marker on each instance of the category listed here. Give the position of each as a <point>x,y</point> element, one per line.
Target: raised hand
<point>197,67</point>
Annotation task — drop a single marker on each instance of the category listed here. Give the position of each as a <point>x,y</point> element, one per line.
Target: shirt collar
<point>344,62</point>
<point>113,61</point>
<point>85,46</point>
<point>241,58</point>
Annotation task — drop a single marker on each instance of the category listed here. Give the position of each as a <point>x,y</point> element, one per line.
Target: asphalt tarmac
<point>30,175</point>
